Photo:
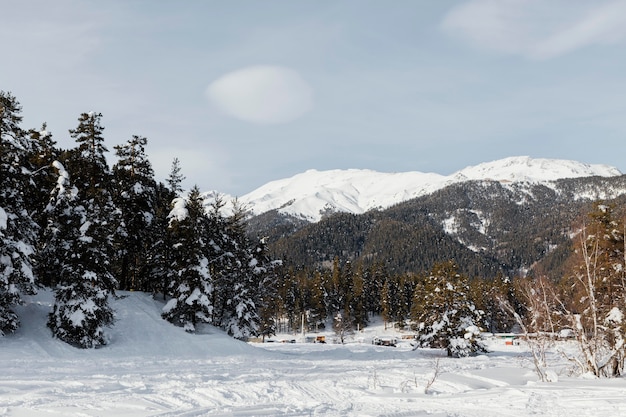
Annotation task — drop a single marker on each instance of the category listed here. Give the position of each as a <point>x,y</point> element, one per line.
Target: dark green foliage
<point>88,161</point>
<point>160,246</point>
<point>176,178</point>
<point>136,200</point>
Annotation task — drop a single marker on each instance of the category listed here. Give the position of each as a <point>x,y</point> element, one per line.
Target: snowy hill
<point>312,194</point>
<point>138,330</point>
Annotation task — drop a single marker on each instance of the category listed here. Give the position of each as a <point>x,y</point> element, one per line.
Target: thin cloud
<point>537,29</point>
<point>262,94</point>
<point>604,25</point>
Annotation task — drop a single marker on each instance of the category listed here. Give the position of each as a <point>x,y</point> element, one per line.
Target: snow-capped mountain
<point>313,193</point>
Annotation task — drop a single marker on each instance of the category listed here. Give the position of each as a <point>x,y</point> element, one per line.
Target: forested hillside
<point>486,227</point>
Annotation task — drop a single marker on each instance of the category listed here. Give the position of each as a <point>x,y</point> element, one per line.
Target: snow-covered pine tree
<point>92,177</point>
<point>159,253</point>
<point>135,198</point>
<point>190,280</point>
<point>18,231</point>
<point>83,283</point>
<point>445,315</point>
<point>42,152</point>
<point>265,270</point>
<point>237,284</point>
<point>160,245</point>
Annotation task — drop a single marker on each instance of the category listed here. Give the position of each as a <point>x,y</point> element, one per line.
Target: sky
<point>247,92</point>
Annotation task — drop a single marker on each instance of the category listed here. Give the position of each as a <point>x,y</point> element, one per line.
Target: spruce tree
<point>176,178</point>
<point>161,243</point>
<point>39,160</point>
<point>92,177</point>
<point>190,280</point>
<point>74,254</point>
<point>237,284</point>
<point>445,315</point>
<point>265,270</point>
<point>90,171</point>
<point>135,198</point>
<point>317,313</point>
<point>18,231</point>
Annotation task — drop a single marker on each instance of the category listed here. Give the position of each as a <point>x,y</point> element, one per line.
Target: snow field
<point>151,368</point>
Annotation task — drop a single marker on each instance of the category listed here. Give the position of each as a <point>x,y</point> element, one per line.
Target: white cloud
<point>262,94</point>
<point>537,29</point>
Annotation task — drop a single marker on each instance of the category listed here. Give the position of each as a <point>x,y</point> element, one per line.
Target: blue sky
<point>245,92</point>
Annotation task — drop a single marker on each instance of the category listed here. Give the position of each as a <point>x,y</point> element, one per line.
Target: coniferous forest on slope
<point>71,223</point>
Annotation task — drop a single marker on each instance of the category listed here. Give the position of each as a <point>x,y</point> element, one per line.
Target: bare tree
<point>596,310</point>
<point>540,322</point>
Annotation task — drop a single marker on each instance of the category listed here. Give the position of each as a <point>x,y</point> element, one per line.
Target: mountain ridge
<point>313,194</point>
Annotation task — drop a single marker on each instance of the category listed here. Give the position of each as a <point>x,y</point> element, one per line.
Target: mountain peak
<point>311,194</point>
<point>527,169</point>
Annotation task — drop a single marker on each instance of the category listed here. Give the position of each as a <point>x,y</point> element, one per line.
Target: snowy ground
<point>151,368</point>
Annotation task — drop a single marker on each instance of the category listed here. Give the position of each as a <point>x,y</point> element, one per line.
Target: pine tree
<point>93,180</point>
<point>135,198</point>
<point>317,313</point>
<point>359,311</point>
<point>88,161</point>
<point>265,270</point>
<point>161,243</point>
<point>236,282</point>
<point>446,317</point>
<point>175,180</point>
<point>18,231</point>
<point>191,284</point>
<point>488,296</point>
<point>74,254</point>
<point>42,152</point>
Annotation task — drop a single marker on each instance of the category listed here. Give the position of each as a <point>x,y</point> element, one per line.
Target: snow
<point>312,194</point>
<point>615,316</point>
<point>3,219</point>
<point>179,211</point>
<point>152,368</point>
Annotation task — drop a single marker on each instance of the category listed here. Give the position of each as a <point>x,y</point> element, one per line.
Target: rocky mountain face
<point>487,224</point>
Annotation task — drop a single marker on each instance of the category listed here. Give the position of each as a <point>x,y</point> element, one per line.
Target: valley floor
<point>151,368</point>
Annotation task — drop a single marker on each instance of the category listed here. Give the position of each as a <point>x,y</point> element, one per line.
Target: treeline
<point>70,222</point>
<point>360,292</point>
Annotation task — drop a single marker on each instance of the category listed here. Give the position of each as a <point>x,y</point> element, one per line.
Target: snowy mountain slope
<point>312,194</point>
